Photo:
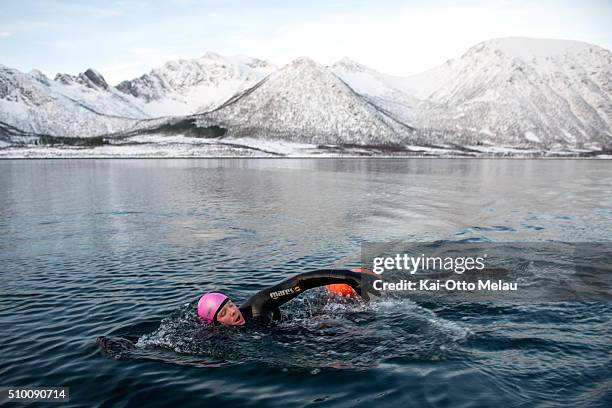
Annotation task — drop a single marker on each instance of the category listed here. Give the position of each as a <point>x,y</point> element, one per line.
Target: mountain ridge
<point>512,91</point>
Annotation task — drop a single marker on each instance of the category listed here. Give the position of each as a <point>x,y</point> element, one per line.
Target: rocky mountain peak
<point>39,76</point>
<point>348,64</point>
<point>303,63</point>
<point>65,79</point>
<point>92,79</point>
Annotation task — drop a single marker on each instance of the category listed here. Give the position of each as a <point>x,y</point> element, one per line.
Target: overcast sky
<point>125,39</point>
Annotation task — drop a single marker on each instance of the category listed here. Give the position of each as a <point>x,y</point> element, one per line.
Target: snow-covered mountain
<point>520,90</point>
<point>197,85</point>
<point>78,106</point>
<point>509,91</point>
<point>90,89</point>
<point>86,105</point>
<point>306,102</point>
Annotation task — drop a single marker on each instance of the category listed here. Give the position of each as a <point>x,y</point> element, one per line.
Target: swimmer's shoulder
<point>247,310</point>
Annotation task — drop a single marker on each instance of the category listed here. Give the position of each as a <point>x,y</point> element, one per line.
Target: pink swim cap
<point>209,305</point>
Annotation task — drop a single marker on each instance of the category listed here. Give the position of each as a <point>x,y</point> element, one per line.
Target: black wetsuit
<point>265,303</point>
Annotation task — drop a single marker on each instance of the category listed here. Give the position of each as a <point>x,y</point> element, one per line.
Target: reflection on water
<point>106,258</point>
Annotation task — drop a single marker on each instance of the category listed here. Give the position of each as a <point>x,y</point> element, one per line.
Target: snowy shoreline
<point>152,146</point>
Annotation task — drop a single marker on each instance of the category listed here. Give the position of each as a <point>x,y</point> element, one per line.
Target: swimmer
<point>216,308</point>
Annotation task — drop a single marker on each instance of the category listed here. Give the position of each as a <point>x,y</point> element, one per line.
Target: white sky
<point>125,39</point>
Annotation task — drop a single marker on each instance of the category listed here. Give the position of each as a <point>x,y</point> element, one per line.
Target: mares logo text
<point>284,292</point>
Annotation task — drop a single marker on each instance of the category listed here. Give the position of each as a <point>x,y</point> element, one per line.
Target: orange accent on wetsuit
<point>344,290</point>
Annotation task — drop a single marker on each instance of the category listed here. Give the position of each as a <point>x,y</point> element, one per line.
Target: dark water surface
<point>121,249</point>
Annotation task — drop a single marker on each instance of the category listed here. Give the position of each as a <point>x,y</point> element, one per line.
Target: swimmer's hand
<point>365,285</point>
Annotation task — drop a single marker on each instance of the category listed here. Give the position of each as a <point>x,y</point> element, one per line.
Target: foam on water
<point>316,331</point>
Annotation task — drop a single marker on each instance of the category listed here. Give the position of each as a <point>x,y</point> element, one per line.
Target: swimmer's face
<point>230,315</point>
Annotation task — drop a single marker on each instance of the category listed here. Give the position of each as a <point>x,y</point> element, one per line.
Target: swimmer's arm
<point>279,294</point>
